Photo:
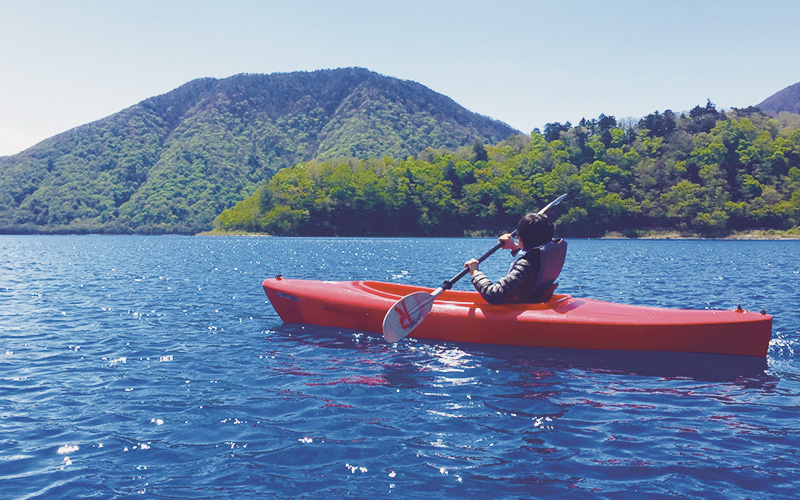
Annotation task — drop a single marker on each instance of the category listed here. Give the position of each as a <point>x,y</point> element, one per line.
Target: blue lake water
<point>154,367</point>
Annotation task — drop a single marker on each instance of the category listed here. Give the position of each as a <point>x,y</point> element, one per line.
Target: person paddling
<point>531,277</point>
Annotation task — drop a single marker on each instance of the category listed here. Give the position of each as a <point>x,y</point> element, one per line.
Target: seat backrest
<point>551,261</point>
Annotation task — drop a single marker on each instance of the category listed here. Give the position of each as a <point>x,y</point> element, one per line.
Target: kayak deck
<point>562,322</point>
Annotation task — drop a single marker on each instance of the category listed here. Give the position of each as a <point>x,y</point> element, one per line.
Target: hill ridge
<point>172,162</point>
<point>787,100</point>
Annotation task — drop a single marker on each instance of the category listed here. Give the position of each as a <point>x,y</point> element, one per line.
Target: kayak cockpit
<point>397,291</point>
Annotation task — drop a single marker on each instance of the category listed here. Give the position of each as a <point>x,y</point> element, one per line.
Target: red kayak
<point>562,322</point>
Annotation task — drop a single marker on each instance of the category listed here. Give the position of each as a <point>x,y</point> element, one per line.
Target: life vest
<point>551,260</point>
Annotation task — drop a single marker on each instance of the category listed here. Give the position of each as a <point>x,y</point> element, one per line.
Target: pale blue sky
<point>527,63</point>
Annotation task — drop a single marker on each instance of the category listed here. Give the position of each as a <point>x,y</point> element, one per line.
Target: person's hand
<point>472,265</point>
<point>507,241</point>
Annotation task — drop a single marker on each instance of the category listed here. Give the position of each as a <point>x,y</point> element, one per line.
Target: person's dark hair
<point>535,230</point>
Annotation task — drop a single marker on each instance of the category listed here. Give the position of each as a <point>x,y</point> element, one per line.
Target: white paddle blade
<point>405,315</point>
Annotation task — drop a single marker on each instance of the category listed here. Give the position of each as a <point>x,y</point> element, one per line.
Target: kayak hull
<point>562,322</point>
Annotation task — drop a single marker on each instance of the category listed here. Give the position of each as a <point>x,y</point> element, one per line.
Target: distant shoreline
<point>756,234</point>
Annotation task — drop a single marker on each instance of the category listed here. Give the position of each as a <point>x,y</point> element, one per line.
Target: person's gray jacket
<point>524,283</point>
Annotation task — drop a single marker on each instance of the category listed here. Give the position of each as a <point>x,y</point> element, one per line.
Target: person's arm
<point>514,287</point>
<point>508,243</point>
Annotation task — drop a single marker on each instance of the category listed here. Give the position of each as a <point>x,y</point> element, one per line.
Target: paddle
<point>408,312</point>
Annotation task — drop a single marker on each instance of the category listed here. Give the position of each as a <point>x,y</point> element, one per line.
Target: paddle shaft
<point>408,312</point>
<point>447,285</point>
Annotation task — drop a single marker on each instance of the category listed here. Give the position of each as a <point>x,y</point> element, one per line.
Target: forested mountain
<point>787,100</point>
<point>705,172</point>
<point>172,163</point>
